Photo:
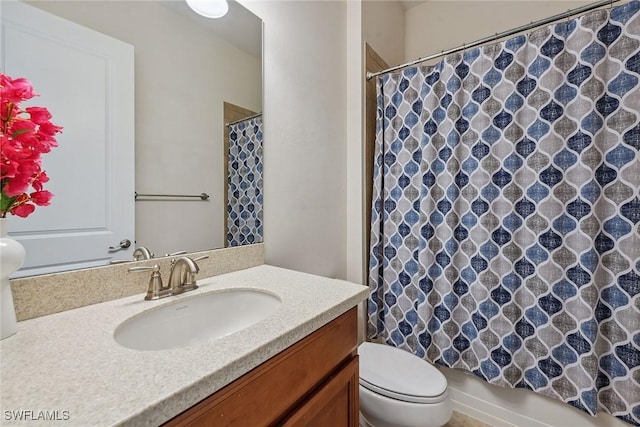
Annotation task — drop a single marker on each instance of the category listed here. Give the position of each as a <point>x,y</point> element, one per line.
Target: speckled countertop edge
<point>69,361</point>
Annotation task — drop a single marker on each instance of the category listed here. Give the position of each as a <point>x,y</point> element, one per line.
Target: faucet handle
<point>200,258</point>
<point>156,289</point>
<point>176,253</point>
<point>153,268</point>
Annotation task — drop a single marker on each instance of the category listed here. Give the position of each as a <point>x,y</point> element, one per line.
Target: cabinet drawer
<point>266,394</point>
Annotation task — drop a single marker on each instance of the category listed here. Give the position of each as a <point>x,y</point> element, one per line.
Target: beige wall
<point>184,73</point>
<point>438,25</point>
<point>383,25</point>
<point>305,134</point>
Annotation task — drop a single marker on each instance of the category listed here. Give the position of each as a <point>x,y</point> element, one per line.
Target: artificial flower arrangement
<point>25,134</point>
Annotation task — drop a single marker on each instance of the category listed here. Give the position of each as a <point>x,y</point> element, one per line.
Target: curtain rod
<point>250,117</point>
<point>497,36</point>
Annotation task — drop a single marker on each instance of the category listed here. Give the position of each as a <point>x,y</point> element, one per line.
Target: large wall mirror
<point>191,77</point>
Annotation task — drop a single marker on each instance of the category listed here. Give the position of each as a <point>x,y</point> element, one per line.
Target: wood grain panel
<point>269,392</point>
<point>373,63</point>
<point>335,404</point>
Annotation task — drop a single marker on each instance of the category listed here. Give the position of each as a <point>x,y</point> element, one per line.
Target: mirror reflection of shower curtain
<point>244,204</point>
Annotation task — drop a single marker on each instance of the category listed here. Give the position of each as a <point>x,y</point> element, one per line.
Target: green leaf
<point>20,132</point>
<point>6,202</point>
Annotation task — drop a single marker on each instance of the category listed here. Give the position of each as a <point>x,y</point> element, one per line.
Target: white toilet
<point>398,389</point>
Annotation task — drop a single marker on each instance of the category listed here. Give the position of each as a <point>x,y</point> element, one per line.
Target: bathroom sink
<point>195,320</point>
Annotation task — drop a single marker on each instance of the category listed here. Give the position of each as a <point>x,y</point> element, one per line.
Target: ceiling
<point>239,27</point>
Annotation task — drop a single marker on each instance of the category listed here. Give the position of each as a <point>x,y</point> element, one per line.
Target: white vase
<point>11,259</point>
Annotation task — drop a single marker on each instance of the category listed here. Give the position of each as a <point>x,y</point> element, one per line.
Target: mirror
<point>192,76</point>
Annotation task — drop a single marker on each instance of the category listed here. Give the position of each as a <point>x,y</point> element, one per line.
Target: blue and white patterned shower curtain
<point>505,233</point>
<point>244,205</point>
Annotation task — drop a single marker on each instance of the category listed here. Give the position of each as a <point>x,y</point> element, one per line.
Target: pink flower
<point>15,90</point>
<point>24,136</point>
<point>38,115</point>
<point>24,210</point>
<point>17,185</point>
<point>49,129</point>
<point>20,129</point>
<point>41,198</point>
<point>8,168</point>
<point>45,143</point>
<point>37,182</point>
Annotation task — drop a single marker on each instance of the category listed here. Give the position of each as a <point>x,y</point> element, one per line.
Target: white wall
<point>184,73</point>
<point>439,25</point>
<point>305,134</point>
<point>355,143</point>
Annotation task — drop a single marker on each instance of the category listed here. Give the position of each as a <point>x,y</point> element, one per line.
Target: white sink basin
<point>194,320</point>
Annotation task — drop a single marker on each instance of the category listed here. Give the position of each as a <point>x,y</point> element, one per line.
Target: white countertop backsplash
<point>69,364</point>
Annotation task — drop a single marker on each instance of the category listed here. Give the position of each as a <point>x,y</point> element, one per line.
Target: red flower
<point>39,180</point>
<point>24,210</point>
<point>49,129</point>
<point>41,198</point>
<point>39,115</point>
<point>15,90</point>
<point>20,129</point>
<point>24,136</point>
<point>8,168</point>
<point>17,185</point>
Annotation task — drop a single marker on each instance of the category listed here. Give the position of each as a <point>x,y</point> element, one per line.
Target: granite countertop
<point>69,364</point>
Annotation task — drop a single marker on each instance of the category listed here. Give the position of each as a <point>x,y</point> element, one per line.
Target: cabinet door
<point>335,404</point>
<point>289,382</point>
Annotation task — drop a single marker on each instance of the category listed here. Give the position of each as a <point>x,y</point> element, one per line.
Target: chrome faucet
<point>142,253</point>
<point>183,274</point>
<point>182,278</point>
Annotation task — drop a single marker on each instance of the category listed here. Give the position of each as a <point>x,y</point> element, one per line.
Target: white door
<point>86,80</point>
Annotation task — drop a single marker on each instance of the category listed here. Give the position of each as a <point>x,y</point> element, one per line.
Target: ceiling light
<point>209,8</point>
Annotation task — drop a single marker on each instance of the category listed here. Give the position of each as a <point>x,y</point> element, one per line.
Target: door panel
<point>86,80</point>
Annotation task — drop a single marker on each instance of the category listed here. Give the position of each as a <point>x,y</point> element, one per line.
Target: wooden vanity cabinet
<point>312,383</point>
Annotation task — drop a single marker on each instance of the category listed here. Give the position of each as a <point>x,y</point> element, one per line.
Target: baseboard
<point>489,413</point>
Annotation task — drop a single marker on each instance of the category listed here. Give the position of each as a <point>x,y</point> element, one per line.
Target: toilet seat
<point>400,375</point>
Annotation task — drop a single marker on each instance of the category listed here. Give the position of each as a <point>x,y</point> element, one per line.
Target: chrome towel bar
<point>202,196</point>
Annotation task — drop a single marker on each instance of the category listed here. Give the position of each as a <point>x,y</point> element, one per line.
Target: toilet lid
<point>399,374</point>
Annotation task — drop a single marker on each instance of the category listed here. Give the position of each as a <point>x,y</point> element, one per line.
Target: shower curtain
<point>505,235</point>
<point>244,205</point>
